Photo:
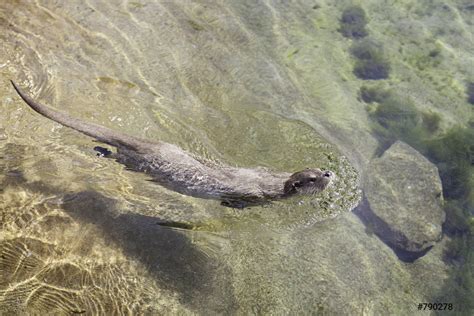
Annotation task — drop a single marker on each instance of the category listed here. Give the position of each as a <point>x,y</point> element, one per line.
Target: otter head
<point>308,181</point>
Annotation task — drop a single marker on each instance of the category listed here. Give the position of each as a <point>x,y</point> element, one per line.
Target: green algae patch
<point>453,153</point>
<point>371,64</point>
<point>470,92</point>
<point>195,25</point>
<point>397,118</point>
<point>431,121</point>
<point>353,22</point>
<point>425,96</point>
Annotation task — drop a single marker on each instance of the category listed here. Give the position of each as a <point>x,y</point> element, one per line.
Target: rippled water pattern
<point>227,81</point>
<point>81,234</point>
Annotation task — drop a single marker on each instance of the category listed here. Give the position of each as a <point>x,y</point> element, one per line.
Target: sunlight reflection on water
<point>82,235</point>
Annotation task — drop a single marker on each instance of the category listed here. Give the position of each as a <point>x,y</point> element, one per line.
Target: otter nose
<point>327,174</point>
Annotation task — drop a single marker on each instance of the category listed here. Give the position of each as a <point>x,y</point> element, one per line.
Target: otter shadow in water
<point>168,254</point>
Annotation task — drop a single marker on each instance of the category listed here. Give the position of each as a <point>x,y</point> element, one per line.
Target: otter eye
<point>312,179</point>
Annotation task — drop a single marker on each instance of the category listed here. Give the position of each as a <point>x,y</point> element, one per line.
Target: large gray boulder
<point>404,197</point>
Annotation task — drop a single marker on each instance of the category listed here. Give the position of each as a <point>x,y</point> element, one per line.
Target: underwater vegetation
<point>431,121</point>
<point>461,289</point>
<point>456,214</point>
<point>428,55</point>
<point>353,21</point>
<point>396,118</point>
<point>371,63</point>
<point>373,94</point>
<point>470,92</point>
<point>453,153</point>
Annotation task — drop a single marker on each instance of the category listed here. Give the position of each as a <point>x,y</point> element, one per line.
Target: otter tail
<point>98,132</point>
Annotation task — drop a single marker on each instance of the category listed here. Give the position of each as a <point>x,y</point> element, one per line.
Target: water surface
<point>245,83</point>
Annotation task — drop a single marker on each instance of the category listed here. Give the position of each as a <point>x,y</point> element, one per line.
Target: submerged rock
<point>332,268</point>
<point>404,194</point>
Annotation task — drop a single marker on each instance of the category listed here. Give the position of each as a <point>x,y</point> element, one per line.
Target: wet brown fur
<point>180,171</point>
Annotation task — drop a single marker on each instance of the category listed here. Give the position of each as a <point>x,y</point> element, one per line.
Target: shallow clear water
<point>245,83</point>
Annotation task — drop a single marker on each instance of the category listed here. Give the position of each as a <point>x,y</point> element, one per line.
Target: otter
<point>180,171</point>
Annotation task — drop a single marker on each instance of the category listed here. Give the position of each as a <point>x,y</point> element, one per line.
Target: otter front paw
<point>102,152</point>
